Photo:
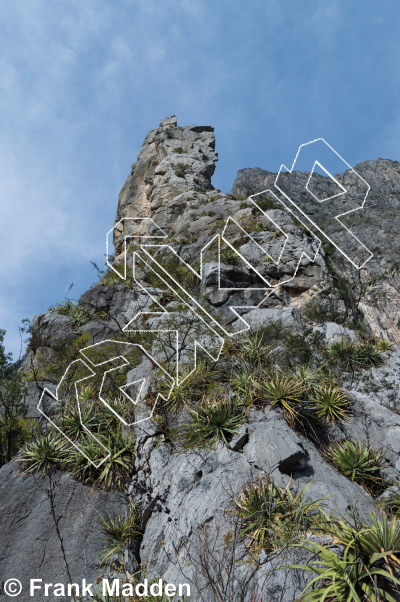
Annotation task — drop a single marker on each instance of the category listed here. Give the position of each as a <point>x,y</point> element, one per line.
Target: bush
<point>330,403</point>
<point>115,468</point>
<point>212,421</point>
<point>384,345</point>
<point>230,257</point>
<point>284,391</point>
<point>352,355</point>
<point>117,533</point>
<point>363,571</point>
<point>46,452</point>
<point>271,516</point>
<point>358,462</point>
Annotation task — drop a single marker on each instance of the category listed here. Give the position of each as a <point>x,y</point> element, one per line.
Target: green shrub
<point>212,421</point>
<point>271,516</point>
<point>45,452</point>
<point>330,403</point>
<point>117,532</point>
<point>384,345</point>
<point>364,571</point>
<point>286,392</point>
<point>352,355</point>
<point>115,469</point>
<point>230,257</point>
<point>181,169</point>
<point>73,421</point>
<point>358,462</point>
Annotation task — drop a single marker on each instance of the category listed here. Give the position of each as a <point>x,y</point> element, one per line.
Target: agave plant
<point>272,516</point>
<point>369,356</point>
<point>358,462</point>
<point>115,466</point>
<point>330,403</point>
<point>74,421</point>
<point>285,392</point>
<point>245,381</point>
<point>45,452</point>
<point>365,569</point>
<point>87,394</point>
<point>351,355</point>
<point>254,350</point>
<point>211,421</point>
<point>345,578</point>
<point>384,345</point>
<point>116,532</point>
<point>344,353</point>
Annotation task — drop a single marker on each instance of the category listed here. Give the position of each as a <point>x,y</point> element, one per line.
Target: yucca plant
<point>253,349</point>
<point>245,381</point>
<point>117,532</point>
<point>344,353</point>
<point>358,462</point>
<point>364,571</point>
<point>345,579</point>
<point>114,470</point>
<point>384,345</point>
<point>352,355</point>
<point>87,393</point>
<point>330,403</point>
<point>45,452</point>
<point>117,467</point>
<point>369,356</point>
<point>212,421</point>
<point>284,391</point>
<point>392,502</point>
<point>272,516</point>
<point>73,421</point>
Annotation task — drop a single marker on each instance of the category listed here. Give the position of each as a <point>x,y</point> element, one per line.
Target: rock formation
<point>270,269</point>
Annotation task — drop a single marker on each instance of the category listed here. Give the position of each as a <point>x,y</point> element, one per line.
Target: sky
<point>81,84</point>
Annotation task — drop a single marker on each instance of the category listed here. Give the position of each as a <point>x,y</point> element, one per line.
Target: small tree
<point>13,408</point>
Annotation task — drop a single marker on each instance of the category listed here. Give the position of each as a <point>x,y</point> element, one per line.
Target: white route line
<point>336,216</point>
<point>178,290</point>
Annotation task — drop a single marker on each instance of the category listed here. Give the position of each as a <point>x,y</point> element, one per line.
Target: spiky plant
<point>213,420</point>
<point>344,353</point>
<point>368,356</point>
<point>330,403</point>
<point>87,394</point>
<point>45,452</point>
<point>253,349</point>
<point>115,466</point>
<point>116,532</point>
<point>74,421</point>
<point>245,381</point>
<point>272,516</point>
<point>357,462</point>
<point>364,571</point>
<point>284,391</point>
<point>384,345</point>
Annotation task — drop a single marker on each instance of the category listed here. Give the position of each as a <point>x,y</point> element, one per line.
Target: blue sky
<point>81,83</point>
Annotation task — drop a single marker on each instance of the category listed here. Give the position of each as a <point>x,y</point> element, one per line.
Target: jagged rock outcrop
<point>172,162</point>
<point>376,226</point>
<point>267,270</point>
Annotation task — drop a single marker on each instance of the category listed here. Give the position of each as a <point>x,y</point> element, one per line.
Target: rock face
<point>29,545</point>
<point>173,160</point>
<point>376,226</point>
<point>264,268</point>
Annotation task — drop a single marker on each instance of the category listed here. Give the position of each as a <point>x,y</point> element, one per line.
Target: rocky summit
<point>221,409</point>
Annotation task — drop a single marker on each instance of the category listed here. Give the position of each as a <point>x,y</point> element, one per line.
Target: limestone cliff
<point>233,262</point>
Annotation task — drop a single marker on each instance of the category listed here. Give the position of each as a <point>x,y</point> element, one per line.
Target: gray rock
<point>289,317</point>
<point>30,548</point>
